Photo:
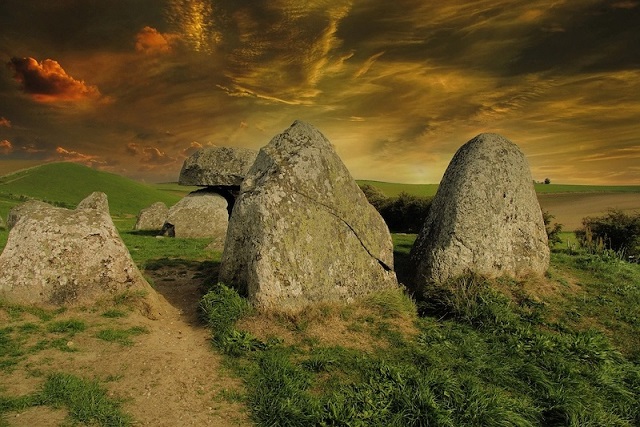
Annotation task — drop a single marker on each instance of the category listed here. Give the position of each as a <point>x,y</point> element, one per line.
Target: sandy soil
<point>570,208</point>
<point>168,377</point>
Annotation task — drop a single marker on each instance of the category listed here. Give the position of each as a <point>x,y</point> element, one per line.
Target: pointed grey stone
<point>302,231</point>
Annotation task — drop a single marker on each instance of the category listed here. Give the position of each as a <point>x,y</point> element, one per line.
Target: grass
<point>85,401</point>
<point>479,353</point>
<point>121,336</point>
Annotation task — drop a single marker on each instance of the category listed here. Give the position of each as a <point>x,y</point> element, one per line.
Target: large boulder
<point>66,257</point>
<point>217,166</point>
<point>485,217</point>
<point>302,231</point>
<point>199,214</point>
<point>152,218</point>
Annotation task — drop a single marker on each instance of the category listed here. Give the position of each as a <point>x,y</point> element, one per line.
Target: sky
<point>135,86</point>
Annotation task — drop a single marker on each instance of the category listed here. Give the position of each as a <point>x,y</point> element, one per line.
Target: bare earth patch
<point>570,208</point>
<point>168,376</point>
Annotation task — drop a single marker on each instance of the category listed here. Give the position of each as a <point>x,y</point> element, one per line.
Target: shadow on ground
<point>182,283</point>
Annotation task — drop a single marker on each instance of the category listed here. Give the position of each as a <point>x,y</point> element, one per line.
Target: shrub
<point>553,232</point>
<point>616,231</point>
<point>403,214</point>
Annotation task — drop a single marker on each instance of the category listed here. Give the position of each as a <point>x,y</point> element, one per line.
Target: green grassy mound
<point>66,184</point>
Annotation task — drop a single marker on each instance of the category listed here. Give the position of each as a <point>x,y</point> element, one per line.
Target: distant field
<point>562,188</point>
<point>69,183</point>
<point>569,204</point>
<point>391,189</point>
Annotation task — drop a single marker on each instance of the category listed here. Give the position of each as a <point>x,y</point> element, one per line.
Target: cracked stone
<point>302,231</point>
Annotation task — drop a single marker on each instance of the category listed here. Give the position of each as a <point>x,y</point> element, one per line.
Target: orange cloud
<point>4,123</point>
<point>47,81</point>
<point>133,148</point>
<point>155,157</point>
<point>150,41</point>
<point>74,156</point>
<point>192,148</point>
<point>6,147</point>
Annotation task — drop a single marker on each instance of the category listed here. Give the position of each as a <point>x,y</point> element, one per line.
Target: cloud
<point>69,155</point>
<point>151,42</point>
<point>280,51</point>
<point>4,123</point>
<point>193,147</point>
<point>47,81</point>
<point>6,147</point>
<point>133,148</point>
<point>152,156</point>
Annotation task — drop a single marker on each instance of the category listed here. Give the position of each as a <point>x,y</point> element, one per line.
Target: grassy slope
<point>68,183</point>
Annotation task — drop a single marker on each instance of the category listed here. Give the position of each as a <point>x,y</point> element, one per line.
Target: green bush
<point>616,231</point>
<point>403,214</point>
<point>553,231</point>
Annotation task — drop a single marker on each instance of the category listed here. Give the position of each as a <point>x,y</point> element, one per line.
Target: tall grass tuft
<point>220,308</point>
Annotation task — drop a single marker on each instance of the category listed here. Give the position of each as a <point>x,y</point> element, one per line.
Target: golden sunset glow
<point>396,87</point>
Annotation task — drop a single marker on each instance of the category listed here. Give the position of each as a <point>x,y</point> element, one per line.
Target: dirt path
<point>170,376</point>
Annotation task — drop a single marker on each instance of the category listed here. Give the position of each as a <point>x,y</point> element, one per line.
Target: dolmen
<point>57,256</point>
<point>485,217</point>
<point>302,231</point>
<point>203,213</point>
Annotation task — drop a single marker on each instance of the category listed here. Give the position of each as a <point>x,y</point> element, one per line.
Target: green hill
<point>66,184</point>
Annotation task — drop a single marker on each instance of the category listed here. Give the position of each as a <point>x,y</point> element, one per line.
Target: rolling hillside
<point>66,184</point>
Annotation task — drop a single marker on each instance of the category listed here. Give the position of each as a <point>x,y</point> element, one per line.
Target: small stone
<point>200,214</point>
<point>152,218</point>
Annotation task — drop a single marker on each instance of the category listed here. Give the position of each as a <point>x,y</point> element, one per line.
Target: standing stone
<point>152,218</point>
<point>217,166</point>
<point>60,256</point>
<point>485,217</point>
<point>199,214</point>
<point>1,223</point>
<point>302,231</point>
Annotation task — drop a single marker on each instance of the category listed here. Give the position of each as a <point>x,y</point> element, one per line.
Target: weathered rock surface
<point>152,218</point>
<point>302,231</point>
<point>217,166</point>
<point>201,213</point>
<point>17,211</point>
<point>485,217</point>
<point>60,256</point>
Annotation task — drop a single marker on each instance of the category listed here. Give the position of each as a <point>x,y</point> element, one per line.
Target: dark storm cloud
<point>84,25</point>
<point>47,81</point>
